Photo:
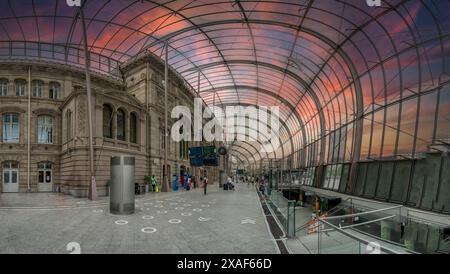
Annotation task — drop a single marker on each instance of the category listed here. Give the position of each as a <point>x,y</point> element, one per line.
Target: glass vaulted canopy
<point>352,82</point>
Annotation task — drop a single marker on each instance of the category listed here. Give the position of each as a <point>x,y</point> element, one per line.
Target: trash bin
<point>122,195</point>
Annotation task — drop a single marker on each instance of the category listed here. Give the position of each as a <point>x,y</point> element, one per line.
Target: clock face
<point>222,151</point>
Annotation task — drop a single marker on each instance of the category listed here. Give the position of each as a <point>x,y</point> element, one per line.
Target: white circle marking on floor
<point>121,222</point>
<point>147,217</point>
<point>175,221</point>
<point>149,230</point>
<point>185,214</point>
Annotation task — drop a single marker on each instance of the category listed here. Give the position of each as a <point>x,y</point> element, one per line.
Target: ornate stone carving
<point>81,115</point>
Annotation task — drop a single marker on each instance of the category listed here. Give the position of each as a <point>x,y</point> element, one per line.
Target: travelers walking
<point>188,184</point>
<point>153,182</point>
<point>205,183</point>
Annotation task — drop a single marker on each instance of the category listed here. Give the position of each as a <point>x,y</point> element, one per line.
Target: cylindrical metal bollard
<point>121,200</point>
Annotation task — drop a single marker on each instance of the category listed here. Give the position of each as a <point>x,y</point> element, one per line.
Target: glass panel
<point>69,125</point>
<point>14,177</point>
<point>41,177</point>
<point>11,128</point>
<point>36,88</point>
<point>107,122</point>
<point>133,128</point>
<point>45,130</point>
<point>53,92</point>
<point>48,176</point>
<point>6,177</point>
<point>443,123</point>
<point>426,121</point>
<point>20,88</point>
<point>3,88</point>
<point>121,125</point>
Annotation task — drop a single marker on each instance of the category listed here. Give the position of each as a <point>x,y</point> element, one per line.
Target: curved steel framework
<point>353,82</point>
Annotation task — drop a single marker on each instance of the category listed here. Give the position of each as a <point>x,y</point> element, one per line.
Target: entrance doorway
<point>10,171</point>
<point>45,177</point>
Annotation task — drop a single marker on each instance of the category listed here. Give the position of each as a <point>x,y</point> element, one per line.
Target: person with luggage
<point>153,182</point>
<point>205,183</point>
<point>230,184</point>
<point>188,184</point>
<point>185,179</point>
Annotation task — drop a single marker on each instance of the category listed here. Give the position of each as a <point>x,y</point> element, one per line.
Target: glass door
<point>45,177</point>
<point>10,177</point>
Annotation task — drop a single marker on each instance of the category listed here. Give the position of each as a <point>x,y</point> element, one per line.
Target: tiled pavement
<point>230,222</point>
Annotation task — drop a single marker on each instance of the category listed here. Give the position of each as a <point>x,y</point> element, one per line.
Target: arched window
<point>107,121</point>
<point>133,128</point>
<point>20,85</point>
<point>11,127</point>
<point>121,125</point>
<point>54,90</point>
<point>3,87</point>
<point>45,129</point>
<point>68,125</point>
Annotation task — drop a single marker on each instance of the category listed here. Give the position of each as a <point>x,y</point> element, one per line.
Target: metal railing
<point>284,210</point>
<point>60,54</point>
<point>329,213</point>
<point>350,243</point>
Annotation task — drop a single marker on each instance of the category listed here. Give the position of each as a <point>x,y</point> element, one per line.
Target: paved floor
<point>182,222</point>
